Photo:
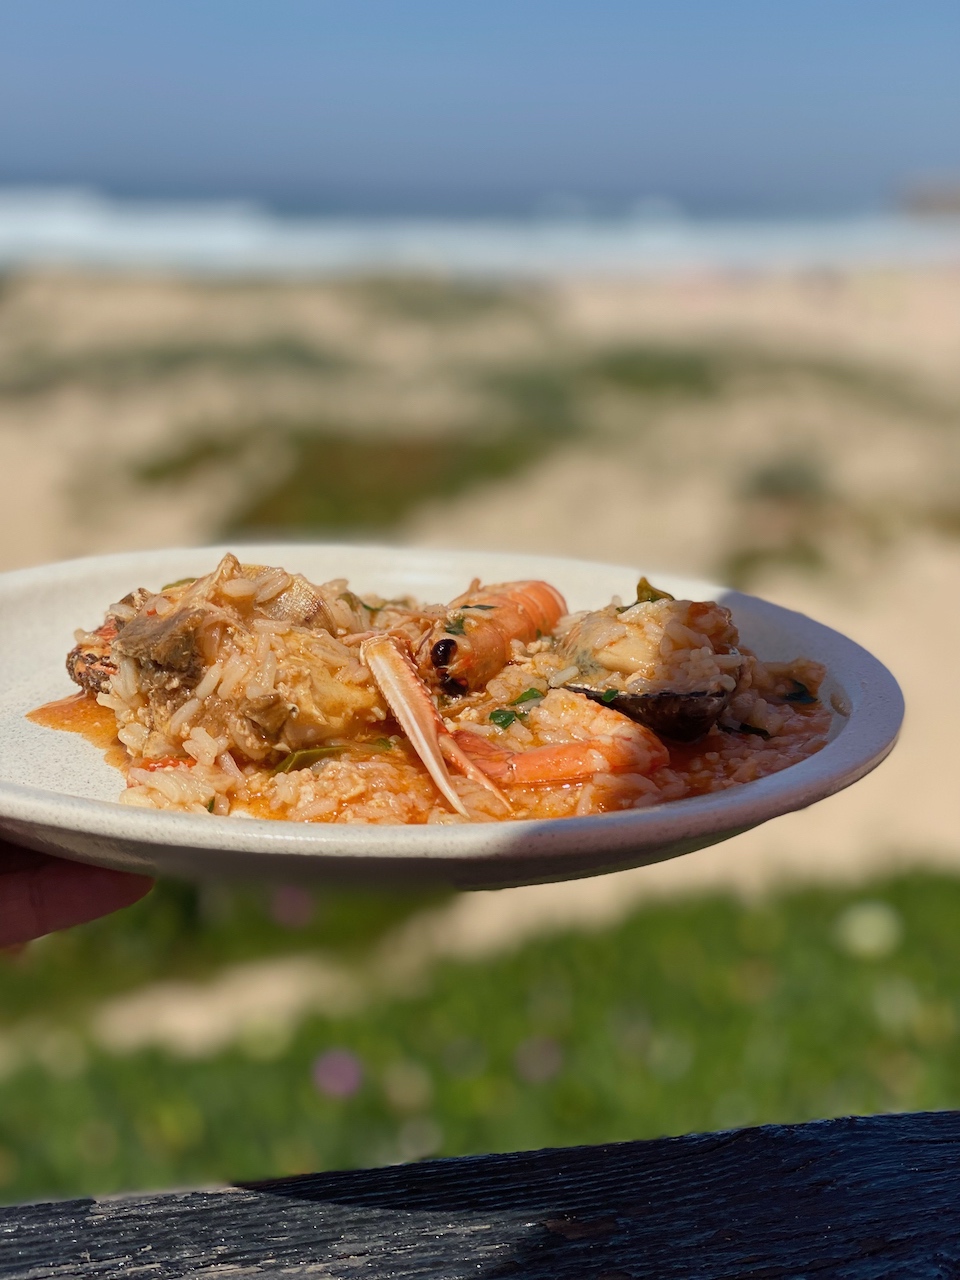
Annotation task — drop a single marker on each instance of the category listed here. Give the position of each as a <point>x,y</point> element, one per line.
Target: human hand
<point>39,894</point>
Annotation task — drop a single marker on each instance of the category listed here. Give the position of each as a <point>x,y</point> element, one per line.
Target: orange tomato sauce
<point>81,713</point>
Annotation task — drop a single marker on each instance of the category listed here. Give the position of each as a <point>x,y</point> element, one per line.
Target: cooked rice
<point>258,665</point>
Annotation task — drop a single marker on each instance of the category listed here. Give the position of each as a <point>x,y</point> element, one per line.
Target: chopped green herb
<point>647,594</point>
<point>609,695</point>
<point>750,728</point>
<point>353,600</point>
<point>479,606</point>
<point>378,608</point>
<point>385,744</point>
<point>503,717</point>
<point>304,759</point>
<point>800,694</point>
<point>455,626</point>
<point>180,582</point>
<point>528,695</point>
<point>210,803</point>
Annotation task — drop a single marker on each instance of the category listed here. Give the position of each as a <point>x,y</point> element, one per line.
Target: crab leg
<point>409,700</point>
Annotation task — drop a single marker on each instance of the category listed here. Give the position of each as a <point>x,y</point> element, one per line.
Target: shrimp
<point>409,699</point>
<point>599,741</point>
<point>463,649</point>
<point>470,644</point>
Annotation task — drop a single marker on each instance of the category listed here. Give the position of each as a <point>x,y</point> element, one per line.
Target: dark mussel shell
<point>682,717</point>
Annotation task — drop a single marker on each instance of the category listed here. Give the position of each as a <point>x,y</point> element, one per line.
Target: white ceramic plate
<point>58,795</point>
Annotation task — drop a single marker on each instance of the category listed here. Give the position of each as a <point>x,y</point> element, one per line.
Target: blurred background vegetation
<point>794,423</point>
<point>699,1014</point>
<point>219,1032</point>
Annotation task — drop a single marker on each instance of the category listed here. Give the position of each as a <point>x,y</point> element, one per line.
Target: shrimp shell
<point>602,741</point>
<point>471,644</point>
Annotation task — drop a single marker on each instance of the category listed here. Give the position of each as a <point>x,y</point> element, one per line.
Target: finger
<point>15,858</point>
<point>51,893</point>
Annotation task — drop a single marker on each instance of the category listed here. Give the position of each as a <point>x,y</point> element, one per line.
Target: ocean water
<point>82,228</point>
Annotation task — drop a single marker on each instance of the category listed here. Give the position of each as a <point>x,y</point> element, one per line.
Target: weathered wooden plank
<point>855,1199</point>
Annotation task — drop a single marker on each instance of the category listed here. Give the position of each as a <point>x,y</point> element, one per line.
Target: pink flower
<point>291,906</point>
<point>338,1073</point>
<point>538,1060</point>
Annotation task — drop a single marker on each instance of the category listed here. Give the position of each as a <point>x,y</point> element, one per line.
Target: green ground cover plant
<point>113,368</point>
<point>322,476</point>
<point>690,1015</point>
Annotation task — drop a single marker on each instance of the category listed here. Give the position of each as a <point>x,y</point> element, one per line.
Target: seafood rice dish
<point>253,691</point>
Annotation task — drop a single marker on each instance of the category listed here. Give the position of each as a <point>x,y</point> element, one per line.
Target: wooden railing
<point>855,1198</point>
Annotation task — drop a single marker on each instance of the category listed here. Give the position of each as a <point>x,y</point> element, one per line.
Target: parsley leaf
<point>609,695</point>
<point>647,594</point>
<point>304,759</point>
<point>312,755</point>
<point>455,626</point>
<point>503,717</point>
<point>528,695</point>
<point>353,600</point>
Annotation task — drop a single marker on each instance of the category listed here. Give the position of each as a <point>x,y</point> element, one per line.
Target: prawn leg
<point>409,700</point>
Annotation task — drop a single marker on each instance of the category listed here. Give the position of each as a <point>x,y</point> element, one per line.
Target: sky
<point>723,106</point>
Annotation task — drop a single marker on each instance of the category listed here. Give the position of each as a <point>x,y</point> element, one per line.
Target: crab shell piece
<point>681,717</point>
